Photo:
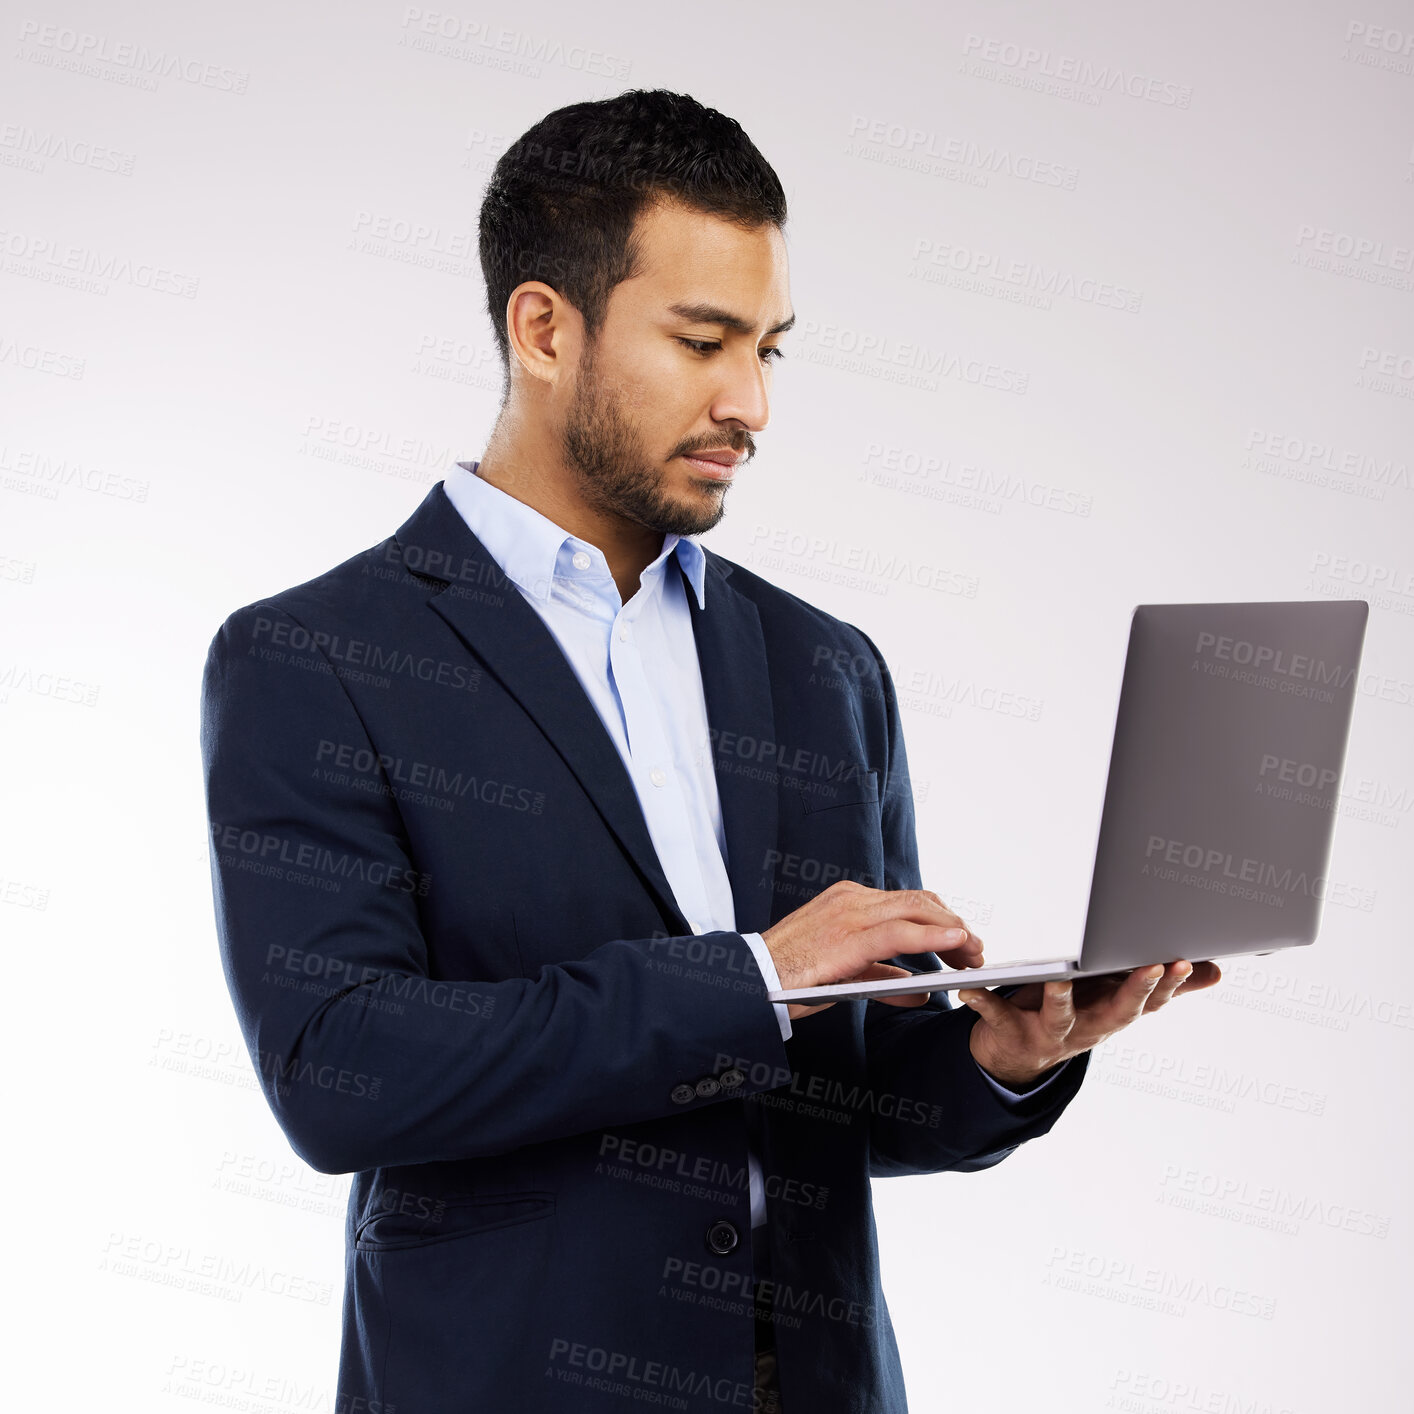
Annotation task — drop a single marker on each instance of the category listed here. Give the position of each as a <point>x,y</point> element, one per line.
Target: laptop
<point>1225,770</point>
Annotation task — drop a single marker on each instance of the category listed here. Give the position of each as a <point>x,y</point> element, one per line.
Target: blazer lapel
<point>737,687</point>
<point>490,615</point>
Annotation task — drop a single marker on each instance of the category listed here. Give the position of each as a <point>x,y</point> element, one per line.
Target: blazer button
<point>707,1087</point>
<point>722,1237</point>
<point>730,1079</point>
<point>682,1094</point>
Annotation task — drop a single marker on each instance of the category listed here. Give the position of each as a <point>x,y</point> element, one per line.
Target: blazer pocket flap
<point>857,786</point>
<point>389,1228</point>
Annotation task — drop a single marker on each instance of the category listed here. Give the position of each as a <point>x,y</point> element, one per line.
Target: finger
<point>994,1010</point>
<point>876,971</point>
<point>1128,1001</point>
<point>967,953</point>
<point>1109,1002</point>
<point>1172,978</point>
<point>1204,974</point>
<point>899,936</point>
<point>1091,990</point>
<point>1028,997</point>
<point>910,905</point>
<point>1101,983</point>
<point>956,956</point>
<point>1058,1009</point>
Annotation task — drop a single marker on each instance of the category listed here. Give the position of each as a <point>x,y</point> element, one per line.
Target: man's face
<point>682,365</point>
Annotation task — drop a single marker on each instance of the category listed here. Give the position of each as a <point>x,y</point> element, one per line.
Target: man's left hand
<point>1017,1039</point>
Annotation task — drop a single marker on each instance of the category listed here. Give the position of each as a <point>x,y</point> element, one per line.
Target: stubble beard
<point>602,448</point>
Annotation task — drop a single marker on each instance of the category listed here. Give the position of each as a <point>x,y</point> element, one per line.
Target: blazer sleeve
<point>364,1058</point>
<point>923,1052</point>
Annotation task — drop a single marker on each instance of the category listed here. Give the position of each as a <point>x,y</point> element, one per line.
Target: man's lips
<point>719,464</point>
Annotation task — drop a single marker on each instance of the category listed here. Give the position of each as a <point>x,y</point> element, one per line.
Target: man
<point>510,816</point>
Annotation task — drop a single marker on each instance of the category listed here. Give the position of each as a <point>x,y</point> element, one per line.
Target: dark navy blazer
<point>463,978</point>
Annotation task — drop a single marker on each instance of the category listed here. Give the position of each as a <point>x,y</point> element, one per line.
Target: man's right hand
<point>844,933</point>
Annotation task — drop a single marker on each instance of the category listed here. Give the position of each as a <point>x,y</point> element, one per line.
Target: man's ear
<point>545,332</point>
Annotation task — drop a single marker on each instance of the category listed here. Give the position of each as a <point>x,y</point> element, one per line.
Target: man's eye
<point>707,346</point>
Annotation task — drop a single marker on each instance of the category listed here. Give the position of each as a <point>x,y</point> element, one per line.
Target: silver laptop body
<point>1220,807</point>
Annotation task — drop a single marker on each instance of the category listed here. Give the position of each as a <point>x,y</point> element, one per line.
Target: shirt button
<point>580,561</point>
<point>658,776</point>
<point>623,633</point>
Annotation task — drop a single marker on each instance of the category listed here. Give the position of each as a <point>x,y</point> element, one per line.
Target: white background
<point>219,379</point>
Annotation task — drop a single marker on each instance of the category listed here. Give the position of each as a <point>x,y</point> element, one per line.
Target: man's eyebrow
<point>712,314</point>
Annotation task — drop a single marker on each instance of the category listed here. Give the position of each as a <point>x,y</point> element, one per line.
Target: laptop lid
<point>1219,810</point>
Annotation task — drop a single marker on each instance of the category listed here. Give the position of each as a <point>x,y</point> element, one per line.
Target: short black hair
<point>562,200</point>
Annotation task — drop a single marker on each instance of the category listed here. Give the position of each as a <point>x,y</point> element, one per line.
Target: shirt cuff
<point>1008,1095</point>
<point>762,954</point>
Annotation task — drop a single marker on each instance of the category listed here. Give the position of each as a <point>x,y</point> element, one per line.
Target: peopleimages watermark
<point>227,1386</point>
<point>893,360</point>
<point>965,484</point>
<point>1267,658</point>
<point>1068,70</point>
<point>456,360</point>
<point>283,857</point>
<point>1390,41</point>
<point>398,456</point>
<point>204,1273</point>
<point>1274,668</point>
<point>226,1062</point>
<point>17,677</point>
<point>829,1097</point>
<point>53,473</point>
<point>341,653</point>
<point>453,36</point>
<point>340,975</point>
<point>60,47</point>
<point>1221,871</point>
<point>63,263</point>
<point>936,694</point>
<point>938,154</point>
<point>629,1374</point>
<point>284,1072</point>
<point>57,362</point>
<point>781,756</point>
<point>1299,458</point>
<point>1118,1279</point>
<point>22,146</point>
<point>969,268</point>
<point>707,1284</point>
<point>1206,1084</point>
<point>1288,771</point>
<point>1262,1205</point>
<point>286,1183</point>
<point>22,895</point>
<point>1140,1392</point>
<point>861,565</point>
<point>619,1155</point>
<point>419,782</point>
<point>1328,1005</point>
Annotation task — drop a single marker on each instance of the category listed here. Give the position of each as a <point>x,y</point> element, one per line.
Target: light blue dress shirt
<point>637,663</point>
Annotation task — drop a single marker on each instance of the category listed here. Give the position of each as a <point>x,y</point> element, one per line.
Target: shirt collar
<point>527,544</point>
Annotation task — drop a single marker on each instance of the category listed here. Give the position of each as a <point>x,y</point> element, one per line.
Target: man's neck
<point>539,478</point>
